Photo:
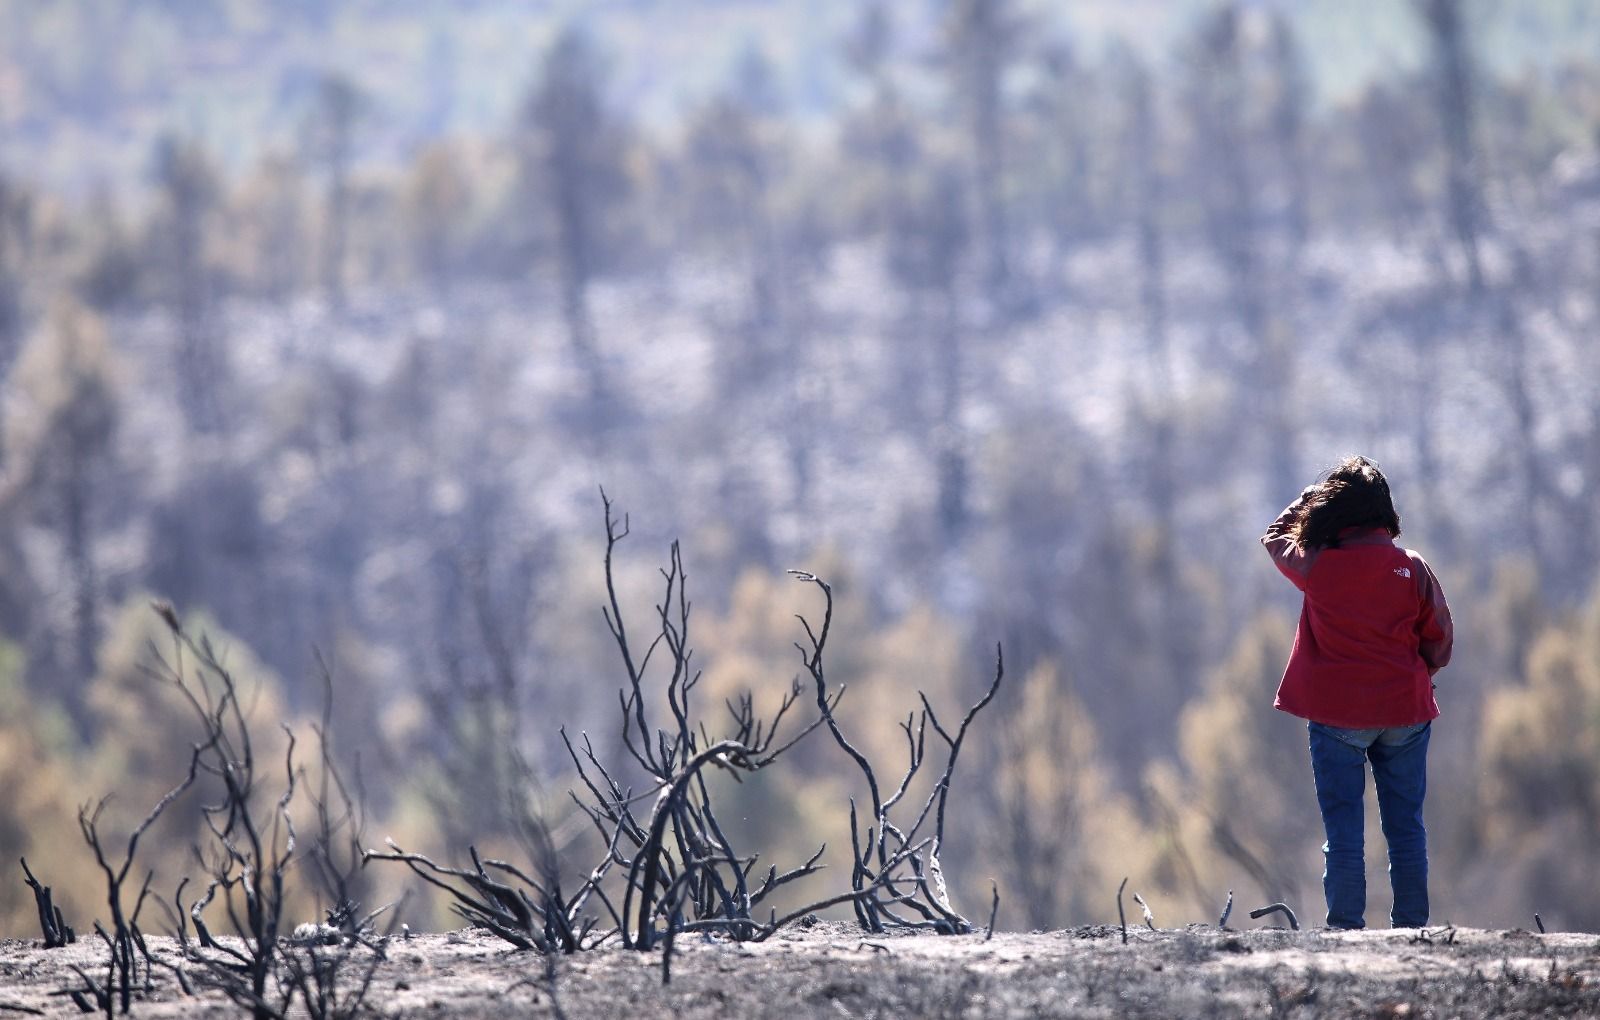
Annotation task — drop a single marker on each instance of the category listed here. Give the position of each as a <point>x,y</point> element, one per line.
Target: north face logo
<point>1403,571</point>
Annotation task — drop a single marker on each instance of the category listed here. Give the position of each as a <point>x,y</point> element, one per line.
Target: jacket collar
<point>1365,536</point>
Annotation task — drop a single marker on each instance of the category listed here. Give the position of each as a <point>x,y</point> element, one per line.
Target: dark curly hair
<point>1354,494</point>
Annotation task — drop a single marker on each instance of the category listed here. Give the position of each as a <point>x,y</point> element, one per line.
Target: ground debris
<point>829,969</point>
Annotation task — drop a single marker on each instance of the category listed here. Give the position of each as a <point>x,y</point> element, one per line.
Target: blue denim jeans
<point>1399,759</point>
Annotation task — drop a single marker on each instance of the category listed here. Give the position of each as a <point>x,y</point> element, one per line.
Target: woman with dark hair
<point>1374,629</point>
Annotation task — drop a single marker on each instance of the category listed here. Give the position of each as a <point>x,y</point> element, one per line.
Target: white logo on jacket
<point>1403,571</point>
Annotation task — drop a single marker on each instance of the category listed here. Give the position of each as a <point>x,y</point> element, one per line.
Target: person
<point>1374,630</point>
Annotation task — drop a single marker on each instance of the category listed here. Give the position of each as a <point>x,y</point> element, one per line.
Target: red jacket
<point>1374,628</point>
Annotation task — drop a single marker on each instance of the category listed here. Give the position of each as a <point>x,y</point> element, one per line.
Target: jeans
<point>1399,758</point>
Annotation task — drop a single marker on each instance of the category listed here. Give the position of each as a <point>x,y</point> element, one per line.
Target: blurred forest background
<point>1018,321</point>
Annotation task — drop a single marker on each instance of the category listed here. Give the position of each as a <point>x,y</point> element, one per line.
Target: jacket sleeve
<point>1435,631</point>
<point>1293,561</point>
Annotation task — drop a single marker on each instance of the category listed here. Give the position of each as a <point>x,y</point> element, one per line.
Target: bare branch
<point>1272,908</point>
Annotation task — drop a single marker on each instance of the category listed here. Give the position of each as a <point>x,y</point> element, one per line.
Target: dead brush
<point>671,869</point>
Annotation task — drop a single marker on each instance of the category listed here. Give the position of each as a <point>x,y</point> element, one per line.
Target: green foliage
<point>1539,797</point>
<point>1061,835</point>
<point>139,748</point>
<point>1238,809</point>
<point>38,755</point>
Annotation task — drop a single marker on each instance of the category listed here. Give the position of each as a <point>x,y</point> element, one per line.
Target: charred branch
<point>1122,917</point>
<point>124,942</point>
<point>1274,908</point>
<point>910,881</point>
<point>674,869</point>
<point>250,851</point>
<point>57,932</point>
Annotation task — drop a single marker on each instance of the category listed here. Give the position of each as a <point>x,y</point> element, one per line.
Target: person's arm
<point>1435,631</point>
<point>1293,561</point>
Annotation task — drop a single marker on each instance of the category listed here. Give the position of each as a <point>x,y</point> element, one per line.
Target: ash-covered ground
<point>832,970</point>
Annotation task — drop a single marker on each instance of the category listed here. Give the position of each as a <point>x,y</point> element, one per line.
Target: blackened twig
<point>1271,908</point>
<point>1122,918</point>
<point>57,932</point>
<point>994,909</point>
